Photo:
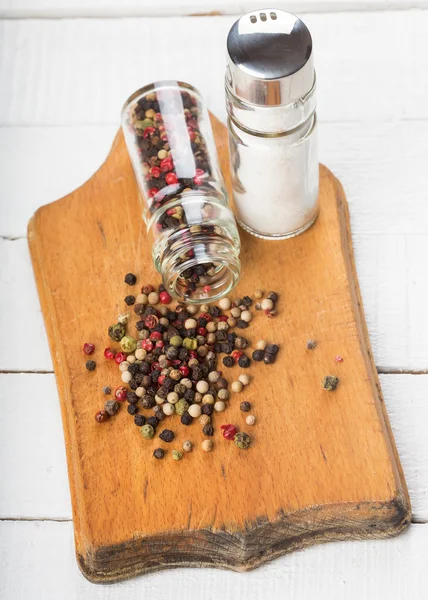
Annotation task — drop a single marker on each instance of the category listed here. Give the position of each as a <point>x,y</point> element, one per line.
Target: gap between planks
<point>380,370</point>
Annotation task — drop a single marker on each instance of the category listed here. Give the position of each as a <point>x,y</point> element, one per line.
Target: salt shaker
<point>271,104</point>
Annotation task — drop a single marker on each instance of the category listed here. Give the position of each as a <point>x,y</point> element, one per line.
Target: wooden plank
<point>42,490</point>
<point>146,8</point>
<point>50,79</point>
<point>38,563</point>
<point>32,462</point>
<point>371,501</point>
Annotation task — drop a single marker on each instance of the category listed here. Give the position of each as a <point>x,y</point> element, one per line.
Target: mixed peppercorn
<point>171,365</point>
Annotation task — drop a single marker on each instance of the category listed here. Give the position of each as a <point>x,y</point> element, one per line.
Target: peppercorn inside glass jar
<point>195,241</point>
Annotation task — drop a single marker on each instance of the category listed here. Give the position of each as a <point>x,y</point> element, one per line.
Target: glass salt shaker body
<point>195,242</point>
<point>271,103</point>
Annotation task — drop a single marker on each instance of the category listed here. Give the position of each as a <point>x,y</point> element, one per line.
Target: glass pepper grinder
<point>270,95</point>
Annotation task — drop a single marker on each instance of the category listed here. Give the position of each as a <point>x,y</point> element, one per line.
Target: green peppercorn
<point>330,382</point>
<point>177,455</point>
<point>143,124</point>
<point>147,432</point>
<point>128,344</point>
<point>90,365</point>
<point>117,331</point>
<point>181,406</point>
<point>242,440</point>
<point>190,343</point>
<point>176,341</point>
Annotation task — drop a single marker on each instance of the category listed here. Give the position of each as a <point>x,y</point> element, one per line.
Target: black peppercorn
<point>221,384</point>
<point>148,401</point>
<point>241,342</point>
<point>152,421</point>
<point>139,309</point>
<point>159,453</point>
<point>197,373</point>
<point>214,311</point>
<point>245,406</point>
<point>186,419</point>
<point>139,420</point>
<point>130,300</point>
<point>231,337</point>
<point>244,361</point>
<point>272,349</point>
<point>227,348</point>
<point>159,414</point>
<point>133,384</point>
<point>258,355</point>
<point>140,326</point>
<point>241,324</point>
<point>90,365</point>
<point>132,397</point>
<point>269,359</point>
<point>130,279</point>
<point>207,409</point>
<point>228,361</point>
<point>208,429</point>
<point>246,301</point>
<point>134,368</point>
<point>221,336</point>
<point>132,409</point>
<point>272,296</point>
<point>166,435</point>
<point>189,395</point>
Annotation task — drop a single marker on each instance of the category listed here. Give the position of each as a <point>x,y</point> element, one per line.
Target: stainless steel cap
<point>269,58</point>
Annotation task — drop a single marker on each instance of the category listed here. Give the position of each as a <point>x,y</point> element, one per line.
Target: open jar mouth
<point>199,260</point>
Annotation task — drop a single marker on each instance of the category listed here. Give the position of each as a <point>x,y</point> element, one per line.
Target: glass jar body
<point>275,173</point>
<point>195,242</point>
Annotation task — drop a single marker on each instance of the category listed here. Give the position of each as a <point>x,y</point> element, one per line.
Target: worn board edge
<point>262,540</point>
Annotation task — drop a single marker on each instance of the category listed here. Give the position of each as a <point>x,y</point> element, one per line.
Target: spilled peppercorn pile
<point>171,366</point>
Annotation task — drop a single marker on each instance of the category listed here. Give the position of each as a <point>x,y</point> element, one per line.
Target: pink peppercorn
<point>155,336</point>
<point>338,359</point>
<point>148,131</point>
<point>119,358</point>
<point>164,297</point>
<point>160,344</point>
<point>120,393</point>
<point>147,289</point>
<point>229,431</point>
<point>101,416</point>
<point>184,370</point>
<point>147,345</point>
<point>155,172</point>
<point>153,191</point>
<point>171,178</point>
<point>109,354</point>
<point>88,348</point>
<point>236,355</point>
<point>223,318</point>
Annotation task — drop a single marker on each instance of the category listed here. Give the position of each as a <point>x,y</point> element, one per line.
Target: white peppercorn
<point>168,409</point>
<point>197,397</point>
<point>222,326</point>
<point>213,376</point>
<point>126,377</point>
<point>246,316</point>
<point>190,323</point>
<point>192,309</point>
<point>207,445</point>
<point>235,312</point>
<point>219,406</point>
<point>208,399</point>
<point>250,420</point>
<point>244,379</point>
<point>153,298</point>
<point>267,304</point>
<point>261,344</point>
<point>204,308</point>
<point>131,358</point>
<point>123,366</point>
<point>225,303</point>
<point>140,354</point>
<point>258,294</point>
<point>186,381</point>
<point>223,394</point>
<point>172,397</point>
<point>211,327</point>
<point>140,391</point>
<point>236,386</point>
<point>231,321</point>
<point>141,299</point>
<point>123,318</point>
<point>187,446</point>
<point>202,386</point>
<point>194,411</point>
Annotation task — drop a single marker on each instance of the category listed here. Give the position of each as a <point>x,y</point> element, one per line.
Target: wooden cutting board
<point>323,465</point>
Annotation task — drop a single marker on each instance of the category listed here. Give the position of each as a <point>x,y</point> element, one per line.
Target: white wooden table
<point>63,79</point>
